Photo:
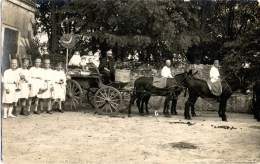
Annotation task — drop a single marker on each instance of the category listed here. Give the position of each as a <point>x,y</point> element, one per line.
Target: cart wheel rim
<point>108,101</point>
<point>74,94</point>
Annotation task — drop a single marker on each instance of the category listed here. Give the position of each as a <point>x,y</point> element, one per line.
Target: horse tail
<point>185,92</point>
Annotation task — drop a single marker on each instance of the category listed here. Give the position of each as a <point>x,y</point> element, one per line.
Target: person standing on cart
<point>107,68</point>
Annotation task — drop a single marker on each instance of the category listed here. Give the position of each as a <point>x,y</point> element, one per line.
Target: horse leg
<point>138,102</point>
<point>191,101</point>
<point>143,100</point>
<point>132,100</point>
<point>173,107</point>
<point>166,106</point>
<point>222,109</point>
<point>193,113</point>
<point>147,98</point>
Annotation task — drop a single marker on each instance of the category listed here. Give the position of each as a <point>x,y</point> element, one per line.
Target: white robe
<point>214,74</point>
<point>37,82</point>
<point>75,60</point>
<point>11,77</point>
<point>59,89</point>
<point>48,76</point>
<point>166,72</point>
<point>24,92</point>
<point>96,60</point>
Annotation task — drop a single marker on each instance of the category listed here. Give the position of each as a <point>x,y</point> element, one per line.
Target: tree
<point>151,27</point>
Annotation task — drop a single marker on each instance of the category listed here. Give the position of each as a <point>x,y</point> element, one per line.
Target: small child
<point>59,87</point>
<point>11,76</point>
<point>25,78</point>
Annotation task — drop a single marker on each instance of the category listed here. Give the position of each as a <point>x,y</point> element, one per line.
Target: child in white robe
<point>10,79</point>
<point>59,87</point>
<point>25,78</point>
<point>48,76</point>
<point>37,84</point>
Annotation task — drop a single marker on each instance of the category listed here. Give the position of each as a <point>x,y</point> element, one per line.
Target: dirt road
<point>75,137</point>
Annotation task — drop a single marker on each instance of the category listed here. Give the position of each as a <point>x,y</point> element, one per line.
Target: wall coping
<point>26,4</point>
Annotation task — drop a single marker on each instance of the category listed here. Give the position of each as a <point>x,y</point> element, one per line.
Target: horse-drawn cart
<point>88,85</point>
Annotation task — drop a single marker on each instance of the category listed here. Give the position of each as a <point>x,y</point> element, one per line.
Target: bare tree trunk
<point>54,36</point>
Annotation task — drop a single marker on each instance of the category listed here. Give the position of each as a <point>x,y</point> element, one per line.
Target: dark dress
<point>107,68</point>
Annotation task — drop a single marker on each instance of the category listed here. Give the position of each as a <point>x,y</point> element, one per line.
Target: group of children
<point>38,84</point>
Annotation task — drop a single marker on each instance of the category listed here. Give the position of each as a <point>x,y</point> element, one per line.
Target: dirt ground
<point>79,137</point>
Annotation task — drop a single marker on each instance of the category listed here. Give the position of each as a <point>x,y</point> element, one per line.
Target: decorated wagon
<point>88,84</point>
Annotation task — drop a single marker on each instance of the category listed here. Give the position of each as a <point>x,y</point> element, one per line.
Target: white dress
<point>166,72</point>
<point>11,77</point>
<point>37,82</point>
<point>48,76</point>
<point>75,60</point>
<point>60,89</point>
<point>214,74</point>
<point>24,92</point>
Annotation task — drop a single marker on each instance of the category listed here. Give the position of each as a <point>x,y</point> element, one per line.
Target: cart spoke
<point>115,100</point>
<point>112,106</point>
<point>75,100</point>
<point>114,103</point>
<point>101,106</point>
<point>78,97</point>
<point>102,98</point>
<point>73,103</point>
<point>102,94</point>
<point>99,101</point>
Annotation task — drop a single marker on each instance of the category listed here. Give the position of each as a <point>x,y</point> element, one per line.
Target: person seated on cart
<point>75,59</point>
<point>166,71</point>
<point>107,68</point>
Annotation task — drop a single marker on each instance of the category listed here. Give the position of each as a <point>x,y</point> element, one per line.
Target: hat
<point>216,63</point>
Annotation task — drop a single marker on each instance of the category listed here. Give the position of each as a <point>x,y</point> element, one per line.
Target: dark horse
<point>143,86</point>
<point>199,88</point>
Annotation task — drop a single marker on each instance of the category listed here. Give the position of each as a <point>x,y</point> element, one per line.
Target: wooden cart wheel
<point>108,101</point>
<point>74,94</point>
<point>90,95</point>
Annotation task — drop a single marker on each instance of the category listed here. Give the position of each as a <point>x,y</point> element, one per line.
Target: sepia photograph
<point>130,81</point>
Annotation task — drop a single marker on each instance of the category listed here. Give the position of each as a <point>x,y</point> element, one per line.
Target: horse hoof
<point>174,113</point>
<point>224,119</point>
<point>141,114</point>
<point>187,117</point>
<point>194,115</point>
<point>220,115</point>
<point>129,115</point>
<point>167,115</point>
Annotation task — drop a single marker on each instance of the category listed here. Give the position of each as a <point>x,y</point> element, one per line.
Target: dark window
<point>10,47</point>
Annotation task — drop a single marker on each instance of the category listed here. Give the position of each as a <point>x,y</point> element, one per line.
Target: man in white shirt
<point>75,59</point>
<point>214,73</point>
<point>166,71</point>
<point>215,83</point>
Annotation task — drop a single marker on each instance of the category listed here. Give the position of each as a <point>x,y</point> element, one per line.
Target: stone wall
<point>237,103</point>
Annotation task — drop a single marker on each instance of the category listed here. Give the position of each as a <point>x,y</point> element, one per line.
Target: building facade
<point>18,17</point>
